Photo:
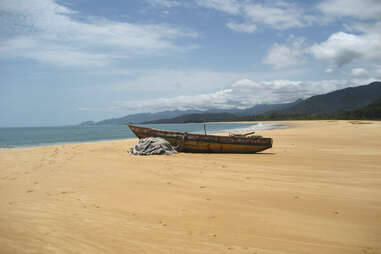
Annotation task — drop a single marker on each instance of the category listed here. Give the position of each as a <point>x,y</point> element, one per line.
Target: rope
<point>180,147</point>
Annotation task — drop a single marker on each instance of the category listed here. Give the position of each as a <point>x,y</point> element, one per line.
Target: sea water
<point>38,136</point>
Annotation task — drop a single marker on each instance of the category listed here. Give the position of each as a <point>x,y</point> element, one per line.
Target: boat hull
<point>198,143</point>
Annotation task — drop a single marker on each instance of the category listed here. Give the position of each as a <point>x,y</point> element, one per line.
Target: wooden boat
<point>199,143</point>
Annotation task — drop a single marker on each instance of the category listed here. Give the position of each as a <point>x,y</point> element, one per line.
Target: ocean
<point>39,136</point>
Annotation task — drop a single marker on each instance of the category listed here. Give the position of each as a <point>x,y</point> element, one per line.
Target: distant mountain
<point>325,106</point>
<point>264,108</point>
<point>332,103</point>
<point>87,123</point>
<point>362,102</point>
<point>142,117</point>
<point>338,101</point>
<point>199,118</point>
<point>216,115</point>
<point>167,115</point>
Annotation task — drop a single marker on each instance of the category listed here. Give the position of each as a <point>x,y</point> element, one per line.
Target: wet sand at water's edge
<point>318,190</point>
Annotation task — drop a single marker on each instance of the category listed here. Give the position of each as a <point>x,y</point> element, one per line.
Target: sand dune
<point>318,190</point>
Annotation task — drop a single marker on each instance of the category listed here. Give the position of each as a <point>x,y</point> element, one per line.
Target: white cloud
<point>283,16</point>
<point>164,3</point>
<point>360,9</point>
<point>284,56</point>
<point>55,36</point>
<point>276,14</point>
<point>227,6</point>
<point>243,93</point>
<point>174,82</point>
<point>359,72</point>
<point>373,72</point>
<point>343,48</point>
<point>246,28</point>
<point>39,50</point>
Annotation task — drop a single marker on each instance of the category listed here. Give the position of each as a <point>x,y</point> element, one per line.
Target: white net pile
<point>152,146</point>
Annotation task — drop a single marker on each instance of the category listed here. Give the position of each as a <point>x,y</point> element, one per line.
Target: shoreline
<point>63,144</point>
<point>286,124</point>
<point>239,130</point>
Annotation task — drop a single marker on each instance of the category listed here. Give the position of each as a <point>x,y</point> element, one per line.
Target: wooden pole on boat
<point>204,129</point>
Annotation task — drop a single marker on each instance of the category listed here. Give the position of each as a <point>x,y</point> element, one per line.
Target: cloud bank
<point>48,32</point>
<point>279,15</point>
<point>364,9</point>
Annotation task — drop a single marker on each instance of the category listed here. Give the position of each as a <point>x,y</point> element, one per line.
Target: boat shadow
<point>259,153</point>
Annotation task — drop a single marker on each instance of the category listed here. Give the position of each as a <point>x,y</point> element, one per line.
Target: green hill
<point>369,112</point>
<point>338,101</point>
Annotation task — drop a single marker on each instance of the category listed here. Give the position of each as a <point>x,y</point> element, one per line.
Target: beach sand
<point>318,190</point>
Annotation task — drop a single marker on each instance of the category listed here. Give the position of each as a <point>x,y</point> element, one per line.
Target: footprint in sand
<point>369,250</point>
<point>163,224</point>
<point>29,191</point>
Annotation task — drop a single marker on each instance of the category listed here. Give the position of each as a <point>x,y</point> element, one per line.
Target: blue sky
<point>64,62</point>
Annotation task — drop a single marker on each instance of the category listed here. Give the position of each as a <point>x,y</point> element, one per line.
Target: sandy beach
<point>318,190</point>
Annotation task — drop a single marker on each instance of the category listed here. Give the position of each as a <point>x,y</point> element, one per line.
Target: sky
<point>65,62</point>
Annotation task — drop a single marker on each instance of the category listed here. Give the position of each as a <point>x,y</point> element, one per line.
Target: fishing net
<point>152,146</point>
